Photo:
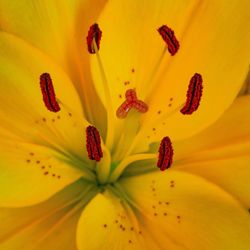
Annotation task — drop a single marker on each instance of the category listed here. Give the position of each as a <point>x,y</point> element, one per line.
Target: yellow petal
<point>245,90</point>
<point>192,212</point>
<point>30,173</point>
<point>59,28</point>
<point>109,223</point>
<point>54,25</point>
<point>22,110</point>
<point>208,45</point>
<point>221,152</point>
<point>129,37</point>
<point>231,129</point>
<point>28,127</point>
<point>48,225</point>
<point>220,53</point>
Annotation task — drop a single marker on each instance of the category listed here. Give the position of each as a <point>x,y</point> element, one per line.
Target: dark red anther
<point>166,153</point>
<point>193,95</point>
<point>94,34</point>
<point>131,102</point>
<point>48,92</point>
<point>168,36</point>
<point>93,143</point>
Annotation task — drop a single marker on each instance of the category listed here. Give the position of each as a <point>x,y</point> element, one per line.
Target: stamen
<point>93,143</point>
<point>166,152</point>
<point>131,102</point>
<point>94,34</point>
<point>93,40</point>
<point>48,92</point>
<point>168,36</point>
<point>193,95</point>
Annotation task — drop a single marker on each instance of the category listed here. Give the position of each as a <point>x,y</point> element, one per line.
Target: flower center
<point>108,168</point>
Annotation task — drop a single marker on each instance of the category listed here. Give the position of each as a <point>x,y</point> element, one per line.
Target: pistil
<point>126,161</point>
<point>131,102</point>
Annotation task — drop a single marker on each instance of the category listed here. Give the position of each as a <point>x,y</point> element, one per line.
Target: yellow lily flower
<point>84,176</point>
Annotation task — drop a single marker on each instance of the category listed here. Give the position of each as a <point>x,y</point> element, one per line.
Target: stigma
<point>131,102</point>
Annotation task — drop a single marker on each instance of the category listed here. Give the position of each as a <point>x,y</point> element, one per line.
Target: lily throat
<point>109,158</point>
